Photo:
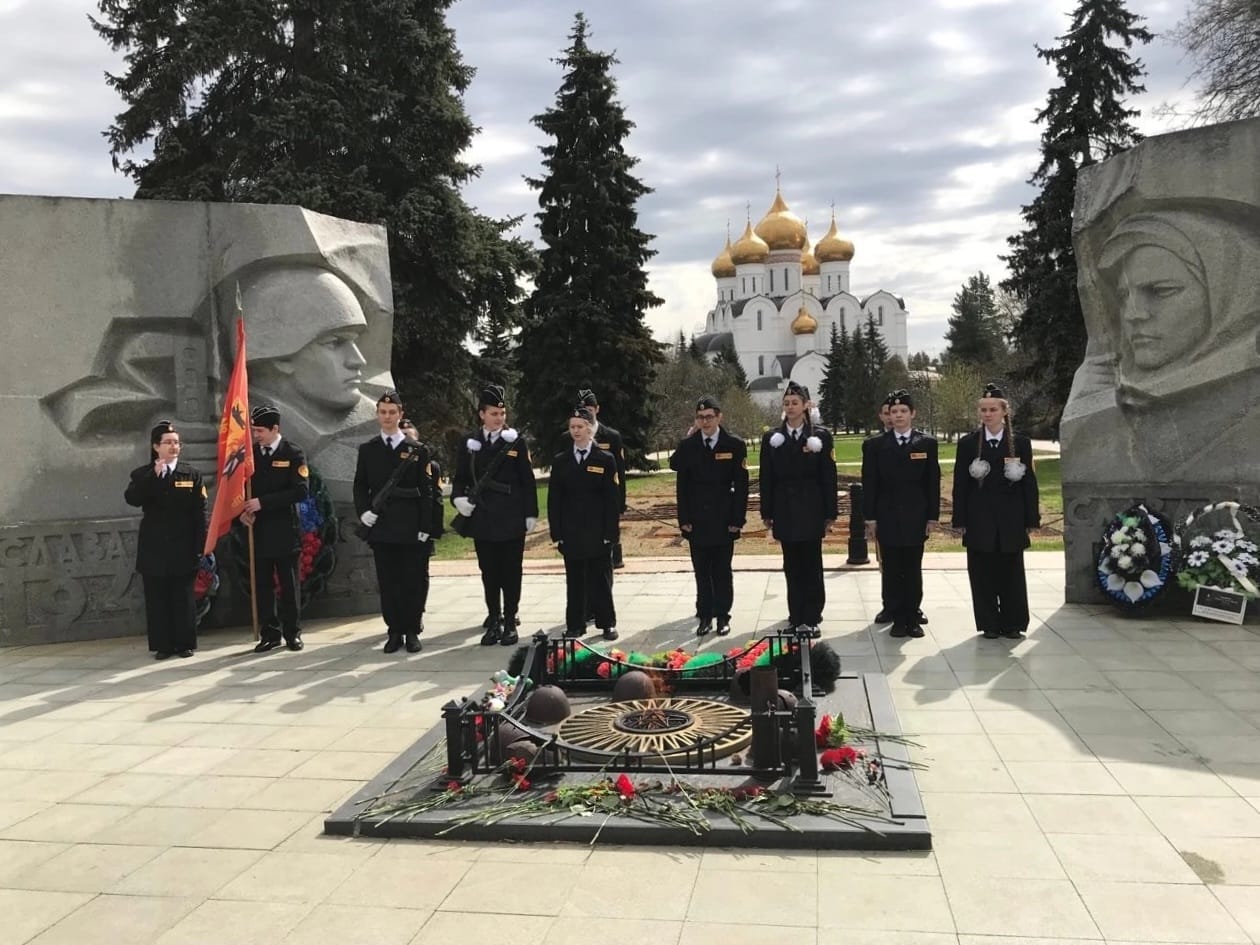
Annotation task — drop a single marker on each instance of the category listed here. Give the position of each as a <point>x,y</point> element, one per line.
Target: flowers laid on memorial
<point>1220,548</point>
<point>317,520</point>
<point>1136,561</point>
<point>205,585</point>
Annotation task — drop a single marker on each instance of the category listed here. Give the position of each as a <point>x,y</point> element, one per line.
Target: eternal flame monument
<point>118,313</point>
<point>1166,406</point>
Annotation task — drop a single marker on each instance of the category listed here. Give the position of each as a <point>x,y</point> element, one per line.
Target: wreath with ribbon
<point>1219,546</point>
<point>1137,560</point>
<point>205,586</point>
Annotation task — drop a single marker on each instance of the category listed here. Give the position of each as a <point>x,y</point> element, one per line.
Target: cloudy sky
<point>914,118</point>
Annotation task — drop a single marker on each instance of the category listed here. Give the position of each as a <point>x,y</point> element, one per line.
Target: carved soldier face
<point>1164,308</point>
<point>328,371</point>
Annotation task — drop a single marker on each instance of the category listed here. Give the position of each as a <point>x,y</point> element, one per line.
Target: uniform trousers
<point>886,591</point>
<point>999,590</point>
<point>715,587</point>
<point>588,584</point>
<point>402,576</point>
<point>803,570</point>
<point>277,611</point>
<point>170,612</point>
<point>903,574</point>
<point>500,565</point>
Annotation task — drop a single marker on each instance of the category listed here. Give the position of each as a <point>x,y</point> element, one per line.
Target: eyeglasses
<point>706,416</point>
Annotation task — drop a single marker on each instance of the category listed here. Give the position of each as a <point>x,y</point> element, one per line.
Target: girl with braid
<point>996,504</point>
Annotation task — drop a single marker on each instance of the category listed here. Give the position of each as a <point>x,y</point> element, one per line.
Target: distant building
<point>777,300</point>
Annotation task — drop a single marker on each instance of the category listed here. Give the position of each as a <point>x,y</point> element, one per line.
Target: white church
<point>777,299</point>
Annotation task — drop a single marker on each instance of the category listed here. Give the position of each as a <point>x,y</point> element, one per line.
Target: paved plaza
<point>1098,781</point>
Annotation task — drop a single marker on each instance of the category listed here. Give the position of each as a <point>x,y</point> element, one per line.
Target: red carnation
<point>833,759</point>
<point>603,670</point>
<point>625,787</point>
<point>454,787</point>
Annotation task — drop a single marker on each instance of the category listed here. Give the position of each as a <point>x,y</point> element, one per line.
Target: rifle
<point>462,525</point>
<point>362,531</point>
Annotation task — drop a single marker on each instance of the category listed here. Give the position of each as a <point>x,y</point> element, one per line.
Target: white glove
<point>531,522</point>
<point>423,536</point>
<point>369,518</point>
<point>463,506</point>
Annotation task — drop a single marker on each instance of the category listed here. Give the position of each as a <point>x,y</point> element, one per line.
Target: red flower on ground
<point>625,787</point>
<point>748,793</point>
<point>603,670</point>
<point>823,732</point>
<point>835,759</point>
<point>454,787</point>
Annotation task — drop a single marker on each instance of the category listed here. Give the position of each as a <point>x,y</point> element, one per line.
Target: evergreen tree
<point>584,323</point>
<point>694,352</point>
<point>728,360</point>
<point>831,392</point>
<point>348,107</point>
<point>859,384</point>
<point>1085,120</point>
<point>973,336</point>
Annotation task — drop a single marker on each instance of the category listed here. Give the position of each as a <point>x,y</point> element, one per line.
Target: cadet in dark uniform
<point>798,502</point>
<point>495,488</point>
<point>885,424</point>
<point>901,496</point>
<point>996,502</point>
<point>172,535</point>
<point>609,440</point>
<point>281,480</point>
<point>403,528</point>
<point>582,507</point>
<point>420,585</point>
<point>712,491</point>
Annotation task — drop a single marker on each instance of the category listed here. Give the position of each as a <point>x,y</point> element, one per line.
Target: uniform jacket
<point>901,487</point>
<point>609,440</point>
<point>583,503</point>
<point>712,487</point>
<point>415,504</point>
<point>280,482</point>
<point>499,515</point>
<point>173,526</point>
<point>798,487</point>
<point>995,511</point>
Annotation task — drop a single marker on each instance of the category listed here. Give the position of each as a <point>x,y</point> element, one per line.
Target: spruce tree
<point>860,383</point>
<point>832,390</point>
<point>348,107</point>
<point>1085,120</point>
<point>728,360</point>
<point>973,335</point>
<point>584,322</point>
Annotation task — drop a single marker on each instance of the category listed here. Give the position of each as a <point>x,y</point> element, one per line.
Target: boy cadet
<point>712,491</point>
<point>901,497</point>
<point>494,463</point>
<point>402,529</point>
<point>609,440</point>
<point>798,502</point>
<point>280,481</point>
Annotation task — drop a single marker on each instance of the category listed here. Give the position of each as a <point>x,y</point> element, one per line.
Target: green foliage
<point>1084,121</point>
<point>728,360</point>
<point>974,335</point>
<point>348,107</point>
<point>920,361</point>
<point>831,391</point>
<point>584,323</point>
<point>679,382</point>
<point>955,396</point>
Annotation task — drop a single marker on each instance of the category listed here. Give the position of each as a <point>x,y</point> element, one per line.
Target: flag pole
<point>253,578</point>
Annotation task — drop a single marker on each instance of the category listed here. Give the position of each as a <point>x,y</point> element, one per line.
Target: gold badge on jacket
<point>723,455</point>
<point>595,469</point>
<point>304,471</point>
<point>280,463</point>
<point>918,455</point>
<point>183,483</point>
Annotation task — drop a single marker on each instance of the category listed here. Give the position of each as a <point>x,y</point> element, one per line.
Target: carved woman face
<point>1164,310</point>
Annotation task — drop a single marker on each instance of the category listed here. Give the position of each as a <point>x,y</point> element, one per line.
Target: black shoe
<point>915,630</point>
<point>899,630</point>
<point>161,655</point>
<point>295,643</point>
<point>490,621</point>
<point>509,637</point>
<point>413,643</point>
<point>571,633</point>
<point>920,618</point>
<point>991,634</point>
<point>491,636</point>
<point>1013,634</point>
<point>724,628</point>
<point>704,627</point>
<point>883,617</point>
<point>267,644</point>
<point>611,633</point>
<point>393,644</point>
<point>184,654</point>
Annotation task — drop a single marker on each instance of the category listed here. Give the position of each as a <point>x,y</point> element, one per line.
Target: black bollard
<point>452,714</point>
<point>858,553</point>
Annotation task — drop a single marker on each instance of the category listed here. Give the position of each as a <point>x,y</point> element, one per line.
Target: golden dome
<point>749,248</point>
<point>804,323</point>
<point>780,227</point>
<point>809,264</point>
<point>724,267</point>
<point>831,248</point>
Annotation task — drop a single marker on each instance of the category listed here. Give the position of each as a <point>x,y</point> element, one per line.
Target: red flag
<point>236,448</point>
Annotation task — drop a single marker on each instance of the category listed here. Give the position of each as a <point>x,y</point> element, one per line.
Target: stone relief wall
<point>117,313</point>
<point>1166,406</point>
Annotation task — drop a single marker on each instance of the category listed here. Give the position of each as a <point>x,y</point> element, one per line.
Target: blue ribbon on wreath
<point>1137,558</point>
